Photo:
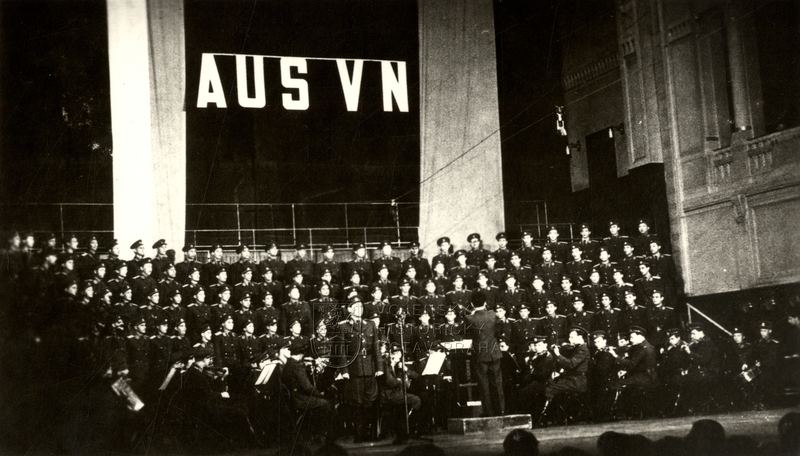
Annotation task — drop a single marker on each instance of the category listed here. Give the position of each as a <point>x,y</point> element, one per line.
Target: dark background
<point>56,141</point>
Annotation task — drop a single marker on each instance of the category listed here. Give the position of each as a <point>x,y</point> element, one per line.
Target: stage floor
<point>761,425</point>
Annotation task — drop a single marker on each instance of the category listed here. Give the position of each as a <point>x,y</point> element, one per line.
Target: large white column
<point>461,164</point>
<point>146,55</point>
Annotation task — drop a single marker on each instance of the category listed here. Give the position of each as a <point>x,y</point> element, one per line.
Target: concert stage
<point>761,425</point>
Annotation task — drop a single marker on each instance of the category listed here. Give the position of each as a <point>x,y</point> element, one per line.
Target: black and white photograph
<point>400,227</point>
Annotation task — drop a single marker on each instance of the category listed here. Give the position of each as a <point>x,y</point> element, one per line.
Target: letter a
<point>210,88</point>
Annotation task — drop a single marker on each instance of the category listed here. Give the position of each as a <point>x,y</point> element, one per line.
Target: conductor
<point>487,355</point>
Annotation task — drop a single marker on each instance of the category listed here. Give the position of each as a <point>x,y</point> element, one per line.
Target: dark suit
<point>487,355</point>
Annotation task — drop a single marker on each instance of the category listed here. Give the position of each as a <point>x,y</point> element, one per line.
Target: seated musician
<point>306,398</point>
<point>395,398</point>
<point>570,376</point>
<point>537,367</point>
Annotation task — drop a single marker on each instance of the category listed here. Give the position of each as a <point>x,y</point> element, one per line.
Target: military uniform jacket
<point>461,300</point>
<point>583,319</point>
<point>606,271</point>
<point>538,300</point>
<point>262,315</point>
<point>362,291</point>
<point>165,287</point>
<point>564,299</point>
<point>491,292</point>
<point>442,284</point>
<point>551,273</point>
<point>630,268</point>
<point>425,338</point>
<point>644,287</point>
<point>674,360</point>
<point>197,315</point>
<point>559,249</point>
<point>141,287</point>
<point>175,313</point>
<point>274,287</point>
<point>468,273</point>
<point>477,257</point>
<point>618,290</point>
<point>524,275</point>
<point>133,266</point>
<point>603,369</point>
<point>640,365</point>
<point>212,292</point>
<point>579,271</point>
<point>208,274</point>
<point>435,305</point>
<point>114,354</point>
<point>446,259</point>
<point>219,312</point>
<point>127,310</point>
<point>768,354</point>
<point>484,341</point>
<point>249,349</point>
<point>241,317</point>
<point>592,295</point>
<point>663,266</point>
<point>409,304</point>
<point>269,344</point>
<point>277,266</point>
<point>607,320</point>
<point>614,245</point>
<point>392,264</point>
<point>241,288</point>
<point>393,333</point>
<point>704,358</point>
<point>530,255</point>
<point>512,300</point>
<point>503,258</point>
<point>554,327</point>
<point>523,331</point>
<point>152,315</point>
<point>661,319</point>
<point>420,264</point>
<point>574,368</point>
<point>632,316</point>
<point>182,270</point>
<point>333,266</point>
<point>295,377</point>
<point>304,265</point>
<point>589,247</point>
<point>505,330</point>
<point>392,383</point>
<point>361,265</point>
<point>226,349</point>
<point>361,348</point>
<point>235,270</point>
<point>160,265</point>
<point>188,291</point>
<point>160,355</point>
<point>537,368</point>
<point>641,243</point>
<point>450,332</point>
<point>116,284</point>
<point>326,309</point>
<point>181,347</point>
<point>296,310</point>
<point>138,350</point>
<point>388,287</point>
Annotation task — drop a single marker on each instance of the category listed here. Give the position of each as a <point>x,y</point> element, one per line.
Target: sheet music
<point>265,374</point>
<point>434,364</point>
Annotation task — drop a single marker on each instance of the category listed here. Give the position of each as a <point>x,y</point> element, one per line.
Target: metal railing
<point>339,224</point>
<point>256,224</point>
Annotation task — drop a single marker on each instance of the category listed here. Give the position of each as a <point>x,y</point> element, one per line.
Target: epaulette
<point>153,337</point>
<point>666,255</point>
<point>774,341</point>
<point>513,320</point>
<point>628,284</point>
<point>656,276</point>
<point>668,307</point>
<point>197,345</point>
<point>342,322</point>
<point>143,306</point>
<point>131,336</point>
<point>608,238</point>
<point>562,316</point>
<point>586,286</point>
<point>173,337</point>
<point>238,284</point>
<point>451,291</point>
<point>218,333</point>
<point>538,318</point>
<point>616,309</point>
<point>192,305</point>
